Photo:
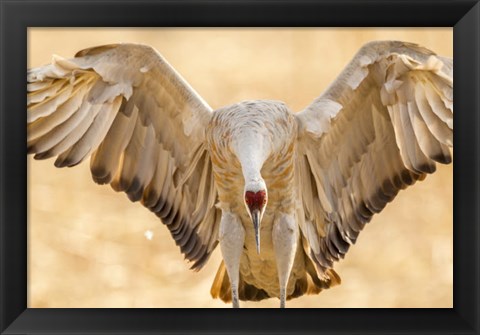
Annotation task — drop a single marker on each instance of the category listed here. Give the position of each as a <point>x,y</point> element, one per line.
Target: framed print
<point>68,268</point>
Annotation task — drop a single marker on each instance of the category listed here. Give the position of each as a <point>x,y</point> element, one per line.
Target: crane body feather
<point>249,141</point>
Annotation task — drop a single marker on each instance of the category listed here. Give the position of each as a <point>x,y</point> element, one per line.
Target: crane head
<point>256,202</point>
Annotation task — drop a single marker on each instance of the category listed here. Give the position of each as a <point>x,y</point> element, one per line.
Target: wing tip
<point>442,158</point>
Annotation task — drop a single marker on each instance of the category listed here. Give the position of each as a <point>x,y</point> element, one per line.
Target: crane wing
<point>143,128</point>
<point>377,129</point>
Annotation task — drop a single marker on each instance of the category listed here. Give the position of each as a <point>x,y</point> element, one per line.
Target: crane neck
<point>252,152</point>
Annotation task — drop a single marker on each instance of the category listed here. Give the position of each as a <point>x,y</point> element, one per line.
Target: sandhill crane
<point>285,194</point>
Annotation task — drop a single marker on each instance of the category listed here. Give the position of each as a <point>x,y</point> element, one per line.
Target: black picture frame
<point>17,15</point>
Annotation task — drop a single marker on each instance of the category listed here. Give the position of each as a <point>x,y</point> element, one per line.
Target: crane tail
<point>311,283</point>
<point>308,284</point>
<point>221,286</point>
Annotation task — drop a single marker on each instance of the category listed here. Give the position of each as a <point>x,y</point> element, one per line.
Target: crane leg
<point>232,238</point>
<point>285,237</point>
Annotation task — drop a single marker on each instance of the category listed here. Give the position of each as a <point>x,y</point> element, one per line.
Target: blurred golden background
<point>87,244</point>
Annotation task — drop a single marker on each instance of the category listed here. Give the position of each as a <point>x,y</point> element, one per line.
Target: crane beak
<point>256,225</point>
<point>255,203</point>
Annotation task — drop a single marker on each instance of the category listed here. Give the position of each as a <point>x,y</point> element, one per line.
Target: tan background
<point>86,243</point>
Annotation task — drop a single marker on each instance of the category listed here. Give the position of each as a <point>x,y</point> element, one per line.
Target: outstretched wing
<point>143,127</point>
<point>377,129</point>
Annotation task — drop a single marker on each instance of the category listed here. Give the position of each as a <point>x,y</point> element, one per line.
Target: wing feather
<point>64,136</point>
<point>104,161</point>
<point>439,129</point>
<point>379,128</point>
<point>49,105</point>
<point>93,136</point>
<point>64,112</point>
<point>143,127</point>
